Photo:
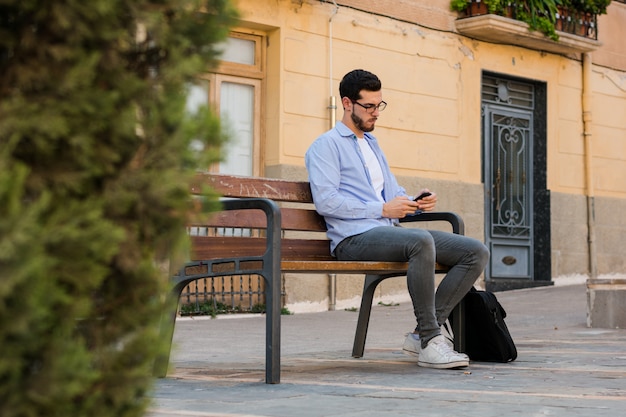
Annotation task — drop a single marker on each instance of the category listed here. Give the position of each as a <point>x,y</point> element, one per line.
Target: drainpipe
<point>332,108</point>
<point>589,188</point>
<point>333,101</point>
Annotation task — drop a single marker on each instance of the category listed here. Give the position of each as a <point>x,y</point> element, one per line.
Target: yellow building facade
<point>454,101</point>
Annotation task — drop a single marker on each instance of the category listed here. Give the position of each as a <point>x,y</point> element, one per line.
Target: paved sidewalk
<point>563,368</point>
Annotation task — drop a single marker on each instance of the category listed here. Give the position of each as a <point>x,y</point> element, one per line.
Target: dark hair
<point>357,80</point>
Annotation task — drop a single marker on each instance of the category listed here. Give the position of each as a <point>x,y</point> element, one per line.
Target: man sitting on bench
<point>361,201</point>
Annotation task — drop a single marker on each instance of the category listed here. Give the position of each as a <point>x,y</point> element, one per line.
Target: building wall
<point>431,129</point>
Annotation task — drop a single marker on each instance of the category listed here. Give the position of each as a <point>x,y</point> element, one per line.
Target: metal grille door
<point>508,133</point>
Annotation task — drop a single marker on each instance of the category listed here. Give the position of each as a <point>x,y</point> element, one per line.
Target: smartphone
<point>419,197</point>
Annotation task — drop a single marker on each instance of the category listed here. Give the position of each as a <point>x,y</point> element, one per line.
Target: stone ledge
<point>606,303</point>
<point>503,30</point>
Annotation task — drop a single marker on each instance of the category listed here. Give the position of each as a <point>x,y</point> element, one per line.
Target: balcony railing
<point>577,23</point>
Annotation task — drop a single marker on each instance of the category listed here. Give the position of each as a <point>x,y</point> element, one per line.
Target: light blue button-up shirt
<point>341,185</point>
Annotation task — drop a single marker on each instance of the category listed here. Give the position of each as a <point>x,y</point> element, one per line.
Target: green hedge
<point>94,169</point>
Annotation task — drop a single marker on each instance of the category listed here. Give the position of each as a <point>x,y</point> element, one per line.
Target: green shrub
<point>94,170</point>
<point>213,308</point>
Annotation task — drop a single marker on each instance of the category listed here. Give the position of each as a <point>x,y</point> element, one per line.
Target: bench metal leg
<point>272,329</point>
<point>168,321</point>
<point>458,326</point>
<point>369,286</point>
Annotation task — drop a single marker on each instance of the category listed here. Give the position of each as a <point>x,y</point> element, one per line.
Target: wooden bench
<point>290,238</point>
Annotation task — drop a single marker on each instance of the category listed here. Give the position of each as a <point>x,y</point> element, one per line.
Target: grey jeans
<point>466,257</point>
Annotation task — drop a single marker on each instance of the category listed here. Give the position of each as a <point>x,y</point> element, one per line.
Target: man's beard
<point>358,122</point>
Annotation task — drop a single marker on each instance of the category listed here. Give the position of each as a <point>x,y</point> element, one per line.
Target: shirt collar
<point>345,131</point>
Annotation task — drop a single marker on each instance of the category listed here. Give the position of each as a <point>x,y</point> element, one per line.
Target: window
<point>238,101</point>
<point>234,92</point>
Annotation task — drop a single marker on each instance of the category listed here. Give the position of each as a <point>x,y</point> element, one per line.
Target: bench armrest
<point>458,226</point>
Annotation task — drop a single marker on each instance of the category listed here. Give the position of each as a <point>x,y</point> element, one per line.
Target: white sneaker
<point>439,355</point>
<point>412,344</point>
<point>446,331</point>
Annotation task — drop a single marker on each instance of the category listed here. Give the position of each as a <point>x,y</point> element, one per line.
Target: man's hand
<point>401,207</point>
<point>427,203</point>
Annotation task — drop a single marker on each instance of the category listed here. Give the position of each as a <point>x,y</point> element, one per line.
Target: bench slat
<point>351,267</point>
<point>236,186</point>
<point>291,219</point>
<point>216,247</point>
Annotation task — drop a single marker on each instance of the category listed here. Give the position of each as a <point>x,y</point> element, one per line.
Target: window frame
<point>249,75</point>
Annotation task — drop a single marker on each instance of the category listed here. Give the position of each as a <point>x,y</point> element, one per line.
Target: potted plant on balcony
<point>579,16</point>
<point>540,15</point>
<point>587,6</point>
<point>478,7</point>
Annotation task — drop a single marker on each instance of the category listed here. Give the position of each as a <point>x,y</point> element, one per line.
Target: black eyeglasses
<point>370,108</point>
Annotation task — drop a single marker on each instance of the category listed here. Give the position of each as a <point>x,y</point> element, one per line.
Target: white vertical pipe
<point>589,187</point>
<point>333,102</point>
<point>332,107</point>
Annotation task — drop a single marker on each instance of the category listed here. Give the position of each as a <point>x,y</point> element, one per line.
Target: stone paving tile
<point>563,368</point>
